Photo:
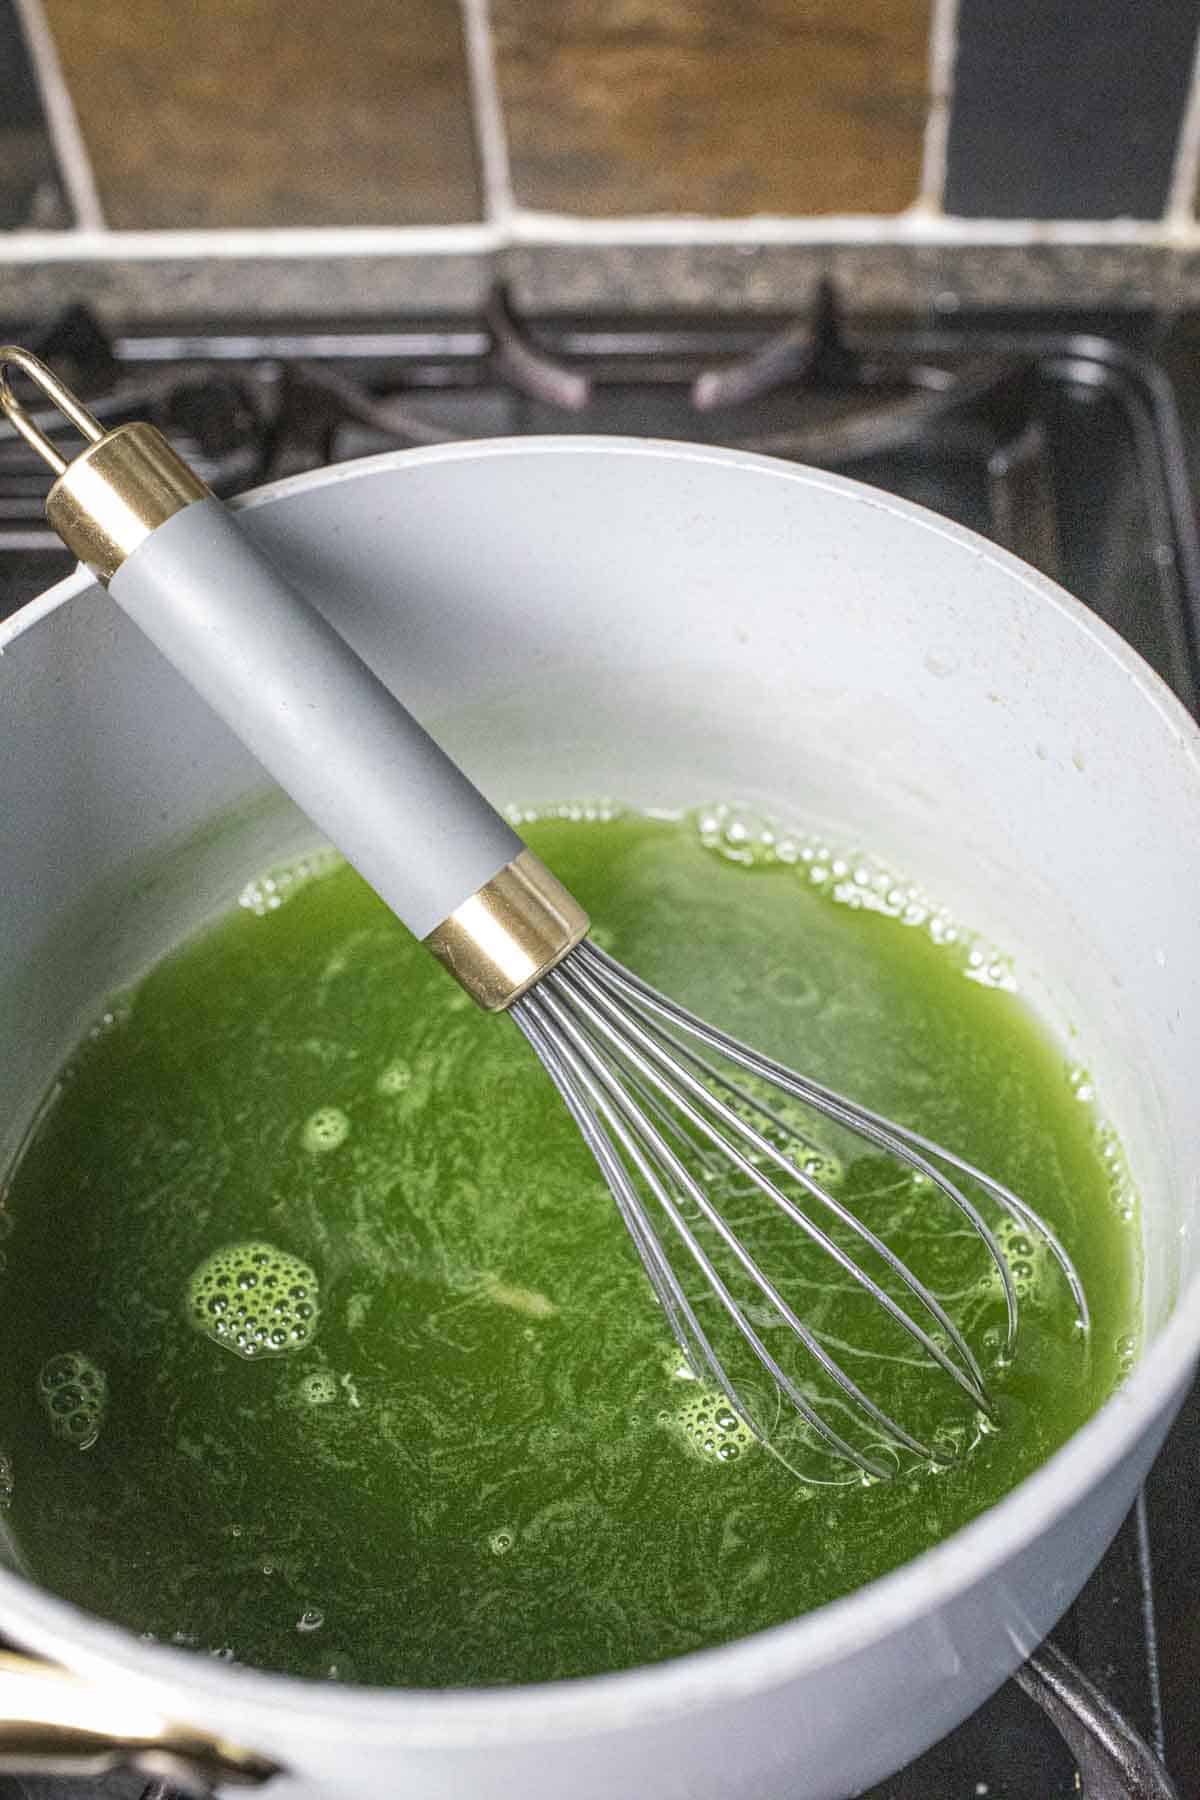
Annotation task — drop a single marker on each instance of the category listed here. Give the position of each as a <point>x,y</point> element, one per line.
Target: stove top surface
<point>1061,439</point>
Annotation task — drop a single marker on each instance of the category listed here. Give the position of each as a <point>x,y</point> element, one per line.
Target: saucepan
<point>666,625</point>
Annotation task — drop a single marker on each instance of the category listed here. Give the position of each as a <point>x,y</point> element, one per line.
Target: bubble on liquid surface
<point>501,1542</point>
<point>311,1619</point>
<point>255,1300</point>
<point>395,1079</point>
<point>325,1130</point>
<point>710,1428</point>
<point>1028,1256</point>
<point>1080,1082</point>
<point>73,1391</point>
<point>267,893</point>
<point>859,880</point>
<point>319,1389</point>
<point>738,834</point>
<point>591,812</point>
<point>821,1166</point>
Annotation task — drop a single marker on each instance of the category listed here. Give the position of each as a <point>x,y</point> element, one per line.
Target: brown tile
<point>272,112</point>
<point>668,106</point>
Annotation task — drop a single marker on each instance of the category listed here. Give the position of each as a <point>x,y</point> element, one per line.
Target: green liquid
<point>476,1460</point>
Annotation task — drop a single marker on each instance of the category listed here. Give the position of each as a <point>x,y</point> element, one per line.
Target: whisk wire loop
<point>665,1121</point>
<point>657,1264</point>
<point>677,1173</point>
<point>1017,1209</point>
<point>906,1146</point>
<point>568,1080</point>
<point>798,1173</point>
<point>971,1380</point>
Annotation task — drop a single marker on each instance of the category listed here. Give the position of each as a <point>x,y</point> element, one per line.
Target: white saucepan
<point>669,626</point>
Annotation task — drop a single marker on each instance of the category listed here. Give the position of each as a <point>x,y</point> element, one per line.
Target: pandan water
<point>325,1349</point>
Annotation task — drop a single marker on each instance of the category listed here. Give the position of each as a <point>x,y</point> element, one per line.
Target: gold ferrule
<point>110,498</point>
<point>509,934</point>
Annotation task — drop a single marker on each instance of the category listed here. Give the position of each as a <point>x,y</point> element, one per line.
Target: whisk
<point>668,1105</point>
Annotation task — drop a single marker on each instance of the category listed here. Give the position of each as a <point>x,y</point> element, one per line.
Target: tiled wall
<point>393,152</point>
<point>1068,111</point>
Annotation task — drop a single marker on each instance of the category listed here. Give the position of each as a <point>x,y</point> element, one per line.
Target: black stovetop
<point>1065,439</point>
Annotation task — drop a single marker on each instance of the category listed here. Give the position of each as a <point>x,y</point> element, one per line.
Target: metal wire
<point>662,1118</point>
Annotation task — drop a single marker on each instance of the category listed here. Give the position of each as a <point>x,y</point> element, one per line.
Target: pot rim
<point>537,1711</point>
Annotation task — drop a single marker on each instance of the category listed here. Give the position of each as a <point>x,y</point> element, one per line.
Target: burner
<point>1061,444</point>
<point>1062,447</point>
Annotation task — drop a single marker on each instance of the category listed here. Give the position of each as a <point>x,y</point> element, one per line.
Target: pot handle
<point>1114,1762</point>
<point>55,1723</point>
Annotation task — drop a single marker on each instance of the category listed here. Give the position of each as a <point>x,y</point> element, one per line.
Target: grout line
<point>1180,214</point>
<point>943,52</point>
<point>267,243</point>
<point>487,113</point>
<point>911,230</point>
<point>74,163</point>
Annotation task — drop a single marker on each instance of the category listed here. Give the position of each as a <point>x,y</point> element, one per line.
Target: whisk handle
<point>318,719</point>
<point>352,756</point>
<point>312,712</point>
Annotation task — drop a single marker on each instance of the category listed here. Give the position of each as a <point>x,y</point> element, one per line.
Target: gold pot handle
<point>55,1723</point>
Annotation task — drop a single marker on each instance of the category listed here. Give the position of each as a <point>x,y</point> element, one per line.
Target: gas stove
<point>1065,439</point>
